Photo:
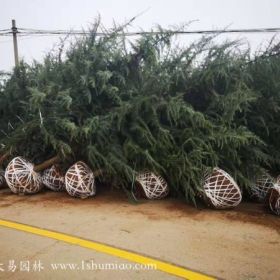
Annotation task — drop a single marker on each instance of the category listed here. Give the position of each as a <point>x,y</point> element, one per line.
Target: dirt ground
<point>239,244</point>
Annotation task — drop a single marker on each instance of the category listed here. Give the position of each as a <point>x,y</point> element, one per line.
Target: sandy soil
<point>239,244</point>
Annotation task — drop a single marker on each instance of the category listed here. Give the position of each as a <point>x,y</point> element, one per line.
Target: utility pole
<point>15,31</point>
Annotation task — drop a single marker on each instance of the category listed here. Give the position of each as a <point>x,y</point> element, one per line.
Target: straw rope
<point>21,177</point>
<point>261,187</point>
<point>220,190</point>
<point>53,178</point>
<point>79,180</point>
<point>154,186</point>
<point>2,178</point>
<point>274,199</point>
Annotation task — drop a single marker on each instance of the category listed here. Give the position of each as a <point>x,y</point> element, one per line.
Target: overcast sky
<point>75,14</point>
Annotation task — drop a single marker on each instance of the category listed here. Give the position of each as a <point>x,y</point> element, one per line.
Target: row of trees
<point>124,107</point>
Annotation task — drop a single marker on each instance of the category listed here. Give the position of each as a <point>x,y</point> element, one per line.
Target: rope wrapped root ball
<point>150,186</point>
<point>259,190</point>
<point>220,191</point>
<point>21,177</point>
<point>53,178</point>
<point>273,199</point>
<point>2,179</point>
<point>79,181</point>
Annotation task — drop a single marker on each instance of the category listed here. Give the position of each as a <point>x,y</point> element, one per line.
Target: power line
<point>35,32</point>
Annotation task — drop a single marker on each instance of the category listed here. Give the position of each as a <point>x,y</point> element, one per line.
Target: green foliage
<point>126,108</point>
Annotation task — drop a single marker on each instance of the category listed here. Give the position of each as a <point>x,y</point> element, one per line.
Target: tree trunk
<point>3,157</point>
<point>46,164</point>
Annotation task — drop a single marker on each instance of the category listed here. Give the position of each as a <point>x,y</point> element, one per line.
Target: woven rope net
<point>53,178</point>
<point>259,190</point>
<point>21,178</point>
<point>79,181</point>
<point>220,190</point>
<point>152,186</point>
<point>274,199</point>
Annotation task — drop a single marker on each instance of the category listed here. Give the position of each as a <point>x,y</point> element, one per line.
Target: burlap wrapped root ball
<point>151,186</point>
<point>53,178</point>
<point>79,181</point>
<point>219,190</point>
<point>258,191</point>
<point>21,177</point>
<point>273,199</point>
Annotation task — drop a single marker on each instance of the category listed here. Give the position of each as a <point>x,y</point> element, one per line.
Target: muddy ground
<point>239,244</point>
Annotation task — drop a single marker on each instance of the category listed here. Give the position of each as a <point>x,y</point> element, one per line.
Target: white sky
<point>75,14</point>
